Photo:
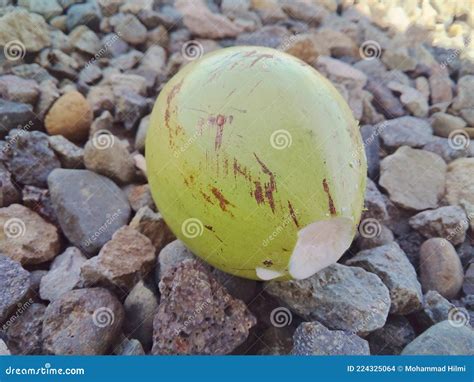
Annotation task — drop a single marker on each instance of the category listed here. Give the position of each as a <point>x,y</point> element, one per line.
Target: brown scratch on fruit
<point>268,263</point>
<point>239,170</point>
<point>255,86</point>
<point>260,57</point>
<point>209,227</point>
<point>206,197</point>
<point>174,91</point>
<point>258,193</point>
<point>293,214</point>
<point>223,202</point>
<point>332,209</point>
<point>270,187</point>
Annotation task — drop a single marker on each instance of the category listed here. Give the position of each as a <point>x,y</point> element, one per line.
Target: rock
<point>442,339</point>
<point>140,306</point>
<point>405,131</point>
<point>129,347</point>
<point>9,194</point>
<point>70,116</point>
<point>63,275</point>
<point>39,201</point>
<point>84,40</point>
<point>339,44</point>
<point>270,11</point>
<point>121,262</point>
<point>129,28</point>
<point>24,334</point>
<point>302,46</point>
<point>465,93</point>
<point>48,94</point>
<point>276,341</point>
<point>35,280</point>
<point>411,98</point>
<point>70,155</point>
<point>440,86</point>
<point>270,36</point>
<point>370,137</point>
<point>384,100</point>
<point>141,134</point>
<point>435,309</point>
<point>238,287</point>
<point>440,267</point>
<point>152,225</point>
<point>3,348</point>
<point>313,338</point>
<point>392,338</point>
<point>87,14</point>
<point>139,196</point>
<point>196,315</point>
<point>15,115</point>
<point>413,178</point>
<point>14,286</point>
<point>46,8</point>
<point>449,222</point>
<point>59,63</point>
<point>324,297</point>
<point>309,13</point>
<point>444,124</point>
<point>101,99</point>
<point>30,159</point>
<point>31,39</point>
<point>371,238</point>
<point>203,23</point>
<point>460,182</point>
<point>17,89</point>
<point>77,196</point>
<point>391,264</point>
<point>111,159</point>
<point>26,237</point>
<point>340,72</point>
<point>82,322</point>
<point>374,203</point>
<point>445,149</point>
<point>171,256</point>
<point>468,285</point>
<point>130,108</point>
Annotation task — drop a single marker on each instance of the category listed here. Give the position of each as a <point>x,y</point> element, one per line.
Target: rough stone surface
<point>323,297</point>
<point>440,267</point>
<point>121,262</point>
<point>152,225</point>
<point>14,286</point>
<point>9,194</point>
<point>405,131</point>
<point>18,89</point>
<point>442,339</point>
<point>413,178</point>
<point>24,334</point>
<point>3,348</point>
<point>468,285</point>
<point>70,155</point>
<point>460,182</point>
<point>380,236</point>
<point>392,338</point>
<point>15,115</point>
<point>89,207</point>
<point>38,200</point>
<point>375,206</point>
<point>63,275</point>
<point>139,196</point>
<point>26,237</point>
<point>313,338</point>
<point>196,315</point>
<point>435,309</point>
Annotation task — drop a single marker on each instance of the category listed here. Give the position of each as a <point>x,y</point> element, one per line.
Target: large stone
<point>170,256</point>
<point>70,155</point>
<point>15,115</point>
<point>391,264</point>
<point>445,149</point>
<point>442,339</point>
<point>374,203</point>
<point>196,315</point>
<point>26,237</point>
<point>84,40</point>
<point>14,286</point>
<point>449,222</point>
<point>460,182</point>
<point>468,285</point>
<point>152,225</point>
<point>413,178</point>
<point>89,207</point>
<point>440,267</point>
<point>63,275</point>
<point>29,29</point>
<point>415,102</point>
<point>324,297</point>
<point>122,262</point>
<point>84,14</point>
<point>405,131</point>
<point>435,309</point>
<point>129,28</point>
<point>392,338</point>
<point>82,322</point>
<point>313,338</point>
<point>444,124</point>
<point>38,200</point>
<point>24,334</point>
<point>465,93</point>
<point>18,89</point>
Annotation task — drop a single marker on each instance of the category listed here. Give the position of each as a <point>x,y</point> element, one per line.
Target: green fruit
<point>256,163</point>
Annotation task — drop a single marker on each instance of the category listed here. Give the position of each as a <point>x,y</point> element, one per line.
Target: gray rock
<point>18,89</point>
<point>84,40</point>
<point>468,285</point>
<point>139,196</point>
<point>170,256</point>
<point>384,100</point>
<point>24,334</point>
<point>30,158</point>
<point>46,8</point>
<point>141,134</point>
<point>48,94</point>
<point>414,179</point>
<point>63,275</point>
<point>89,207</point>
<point>375,206</point>
<point>38,200</point>
<point>380,235</point>
<point>270,36</point>
<point>129,28</point>
<point>82,322</point>
<point>324,297</point>
<point>435,309</point>
<point>392,338</point>
<point>405,131</point>
<point>15,115</point>
<point>276,341</point>
<point>313,338</point>
<point>35,279</point>
<point>14,286</point>
<point>238,287</point>
<point>449,222</point>
<point>465,93</point>
<point>3,348</point>
<point>130,108</point>
<point>9,194</point>
<point>443,124</point>
<point>196,315</point>
<point>129,347</point>
<point>83,14</point>
<point>70,155</point>
<point>446,150</point>
<point>390,263</point>
<point>442,339</point>
<point>370,136</point>
<point>460,182</point>
<point>140,306</point>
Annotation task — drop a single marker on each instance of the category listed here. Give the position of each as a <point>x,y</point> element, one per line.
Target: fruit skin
<point>219,169</point>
